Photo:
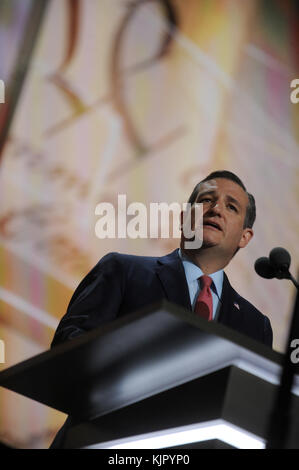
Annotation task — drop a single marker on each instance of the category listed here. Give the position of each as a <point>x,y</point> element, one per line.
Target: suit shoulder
<point>127,260</point>
<point>249,320</point>
<point>244,302</point>
<point>248,306</point>
<point>238,301</point>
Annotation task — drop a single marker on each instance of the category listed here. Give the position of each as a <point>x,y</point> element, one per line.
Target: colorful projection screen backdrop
<point>141,98</point>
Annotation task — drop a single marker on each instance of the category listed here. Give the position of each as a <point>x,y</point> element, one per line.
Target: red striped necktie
<point>204,302</point>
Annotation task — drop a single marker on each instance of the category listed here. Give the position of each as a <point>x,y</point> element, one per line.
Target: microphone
<point>280,259</point>
<point>276,265</point>
<point>263,268</point>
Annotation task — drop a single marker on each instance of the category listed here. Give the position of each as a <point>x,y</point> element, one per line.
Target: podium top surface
<point>135,357</point>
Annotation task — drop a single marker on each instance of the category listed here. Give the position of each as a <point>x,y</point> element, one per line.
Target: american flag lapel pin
<point>237,305</point>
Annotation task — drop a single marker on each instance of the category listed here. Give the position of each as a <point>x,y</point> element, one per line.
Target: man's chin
<point>194,244</point>
<point>195,249</point>
<point>208,243</point>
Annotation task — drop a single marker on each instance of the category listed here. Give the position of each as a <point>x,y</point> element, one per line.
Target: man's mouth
<point>211,223</point>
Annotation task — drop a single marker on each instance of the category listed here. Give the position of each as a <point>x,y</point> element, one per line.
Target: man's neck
<point>207,259</point>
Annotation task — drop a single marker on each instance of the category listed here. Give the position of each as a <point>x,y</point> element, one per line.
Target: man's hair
<point>250,211</point>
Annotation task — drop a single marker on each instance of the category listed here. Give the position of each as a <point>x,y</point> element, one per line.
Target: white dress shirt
<point>193,273</point>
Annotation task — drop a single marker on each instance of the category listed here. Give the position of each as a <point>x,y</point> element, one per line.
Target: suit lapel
<point>230,312</point>
<point>171,273</point>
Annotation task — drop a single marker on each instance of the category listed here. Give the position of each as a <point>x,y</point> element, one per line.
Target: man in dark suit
<point>120,284</point>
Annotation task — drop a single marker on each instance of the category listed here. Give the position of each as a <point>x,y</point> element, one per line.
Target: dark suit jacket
<point>120,284</point>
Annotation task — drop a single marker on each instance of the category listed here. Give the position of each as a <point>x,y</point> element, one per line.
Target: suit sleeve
<point>268,333</point>
<point>96,300</point>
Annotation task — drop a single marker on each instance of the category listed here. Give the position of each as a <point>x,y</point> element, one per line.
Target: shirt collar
<point>193,272</point>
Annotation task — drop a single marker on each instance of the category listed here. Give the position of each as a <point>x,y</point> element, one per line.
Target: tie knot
<point>205,281</point>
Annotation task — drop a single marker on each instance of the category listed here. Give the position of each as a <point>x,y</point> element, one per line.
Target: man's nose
<point>215,208</point>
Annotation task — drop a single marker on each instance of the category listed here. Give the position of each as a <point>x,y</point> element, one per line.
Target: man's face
<point>224,210</point>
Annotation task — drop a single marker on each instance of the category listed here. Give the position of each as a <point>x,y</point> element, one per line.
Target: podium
<point>157,373</point>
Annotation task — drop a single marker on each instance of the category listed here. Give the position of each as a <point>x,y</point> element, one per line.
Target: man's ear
<point>246,237</point>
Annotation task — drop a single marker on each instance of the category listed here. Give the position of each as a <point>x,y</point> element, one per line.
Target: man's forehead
<point>217,184</point>
<point>207,186</point>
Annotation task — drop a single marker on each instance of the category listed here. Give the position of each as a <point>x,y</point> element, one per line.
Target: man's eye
<point>231,206</point>
<point>206,199</point>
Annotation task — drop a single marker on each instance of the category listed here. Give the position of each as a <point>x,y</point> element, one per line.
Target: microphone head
<point>264,269</point>
<point>280,258</point>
